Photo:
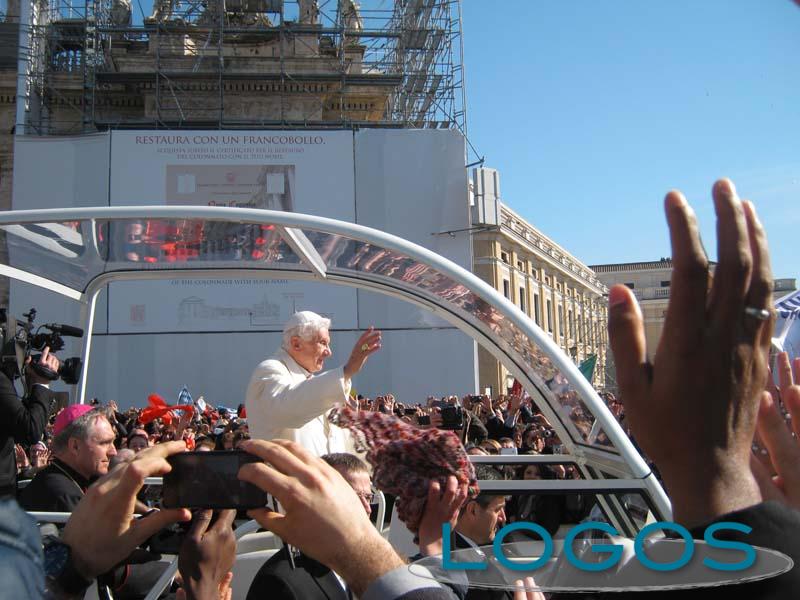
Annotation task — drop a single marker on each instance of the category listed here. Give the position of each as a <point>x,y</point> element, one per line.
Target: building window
<point>504,257</point>
<point>630,285</point>
<point>521,266</point>
<point>570,324</point>
<point>665,283</point>
<point>550,316</point>
<point>535,274</point>
<point>522,298</point>
<point>506,289</point>
<point>536,316</point>
<point>561,320</point>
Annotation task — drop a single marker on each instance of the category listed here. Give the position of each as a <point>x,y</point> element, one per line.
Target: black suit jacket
<point>22,421</point>
<point>56,488</point>
<point>492,573</point>
<point>309,580</point>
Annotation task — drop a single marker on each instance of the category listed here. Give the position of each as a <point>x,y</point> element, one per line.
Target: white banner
<point>306,172</point>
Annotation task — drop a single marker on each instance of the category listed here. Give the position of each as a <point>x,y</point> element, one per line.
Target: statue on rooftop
<point>309,11</point>
<point>162,11</point>
<point>349,15</point>
<point>120,12</point>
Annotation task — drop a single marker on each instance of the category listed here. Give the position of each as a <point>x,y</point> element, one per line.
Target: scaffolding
<point>213,64</point>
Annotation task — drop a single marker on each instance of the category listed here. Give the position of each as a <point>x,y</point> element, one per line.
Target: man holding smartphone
<point>288,399</point>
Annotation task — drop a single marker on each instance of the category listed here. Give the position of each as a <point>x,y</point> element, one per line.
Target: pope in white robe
<point>289,397</point>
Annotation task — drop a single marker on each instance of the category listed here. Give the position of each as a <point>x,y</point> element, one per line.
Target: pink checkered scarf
<point>405,458</point>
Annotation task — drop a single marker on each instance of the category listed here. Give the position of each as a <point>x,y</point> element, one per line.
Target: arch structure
<point>75,252</point>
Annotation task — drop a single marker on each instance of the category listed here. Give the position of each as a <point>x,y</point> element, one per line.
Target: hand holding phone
<point>210,480</point>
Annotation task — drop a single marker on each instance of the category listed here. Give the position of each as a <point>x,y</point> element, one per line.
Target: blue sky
<point>593,110</point>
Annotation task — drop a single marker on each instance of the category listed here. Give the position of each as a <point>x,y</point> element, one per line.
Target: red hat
<point>68,415</point>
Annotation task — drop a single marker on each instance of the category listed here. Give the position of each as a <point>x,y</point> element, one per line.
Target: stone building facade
<point>650,282</point>
<point>560,293</point>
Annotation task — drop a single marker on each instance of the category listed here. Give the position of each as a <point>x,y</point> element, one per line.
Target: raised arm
<point>693,407</point>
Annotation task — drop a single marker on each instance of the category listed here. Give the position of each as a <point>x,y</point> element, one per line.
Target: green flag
<point>587,367</point>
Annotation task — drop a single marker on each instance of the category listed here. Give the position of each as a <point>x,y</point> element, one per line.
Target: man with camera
<point>288,399</point>
<point>22,420</point>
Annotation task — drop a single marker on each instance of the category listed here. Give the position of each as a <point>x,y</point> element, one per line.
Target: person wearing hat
<point>288,396</point>
<point>82,447</point>
<point>22,420</point>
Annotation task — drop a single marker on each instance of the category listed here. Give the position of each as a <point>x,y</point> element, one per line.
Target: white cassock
<point>284,401</point>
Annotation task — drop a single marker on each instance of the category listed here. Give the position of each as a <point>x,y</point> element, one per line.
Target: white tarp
<point>210,334</point>
<point>305,171</point>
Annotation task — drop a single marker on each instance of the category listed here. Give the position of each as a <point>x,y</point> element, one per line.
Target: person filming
<point>22,420</point>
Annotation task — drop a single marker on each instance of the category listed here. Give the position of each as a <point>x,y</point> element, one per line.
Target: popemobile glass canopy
<point>76,252</point>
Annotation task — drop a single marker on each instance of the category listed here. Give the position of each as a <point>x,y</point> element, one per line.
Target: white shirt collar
<point>472,544</point>
<point>291,364</point>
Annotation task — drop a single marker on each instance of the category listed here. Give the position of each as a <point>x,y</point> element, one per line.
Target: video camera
<point>452,417</point>
<point>18,340</point>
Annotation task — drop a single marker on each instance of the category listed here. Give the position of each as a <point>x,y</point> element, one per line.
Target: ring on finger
<point>364,347</point>
<point>762,314</point>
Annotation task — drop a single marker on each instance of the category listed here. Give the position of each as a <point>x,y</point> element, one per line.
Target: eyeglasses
<point>368,497</point>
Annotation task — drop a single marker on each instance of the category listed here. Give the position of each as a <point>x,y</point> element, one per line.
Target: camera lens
<point>70,370</point>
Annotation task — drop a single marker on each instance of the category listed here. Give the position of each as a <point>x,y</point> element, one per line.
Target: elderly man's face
<point>311,354</point>
<point>93,455</point>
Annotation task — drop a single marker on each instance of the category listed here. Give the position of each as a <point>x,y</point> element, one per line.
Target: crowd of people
<point>504,425</point>
<point>698,407</point>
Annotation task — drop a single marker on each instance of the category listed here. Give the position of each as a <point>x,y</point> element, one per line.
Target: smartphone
<point>509,451</point>
<point>209,480</point>
<point>409,411</point>
<point>424,420</point>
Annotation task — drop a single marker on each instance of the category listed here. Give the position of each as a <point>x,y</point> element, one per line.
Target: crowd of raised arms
<point>717,427</point>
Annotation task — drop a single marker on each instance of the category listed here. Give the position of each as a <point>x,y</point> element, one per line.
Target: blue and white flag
<point>787,325</point>
<point>789,305</point>
<point>184,397</point>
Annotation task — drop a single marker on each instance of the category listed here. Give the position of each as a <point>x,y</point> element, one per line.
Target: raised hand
<point>781,441</point>
<point>319,517</point>
<point>21,456</point>
<point>102,530</point>
<point>369,343</point>
<point>514,404</point>
<point>442,506</point>
<point>693,409</point>
<point>207,556</point>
